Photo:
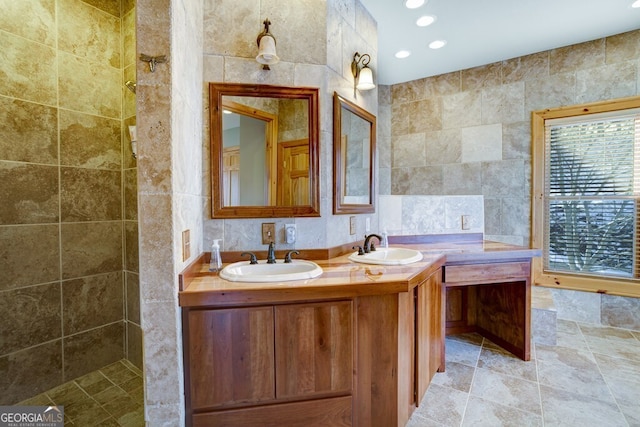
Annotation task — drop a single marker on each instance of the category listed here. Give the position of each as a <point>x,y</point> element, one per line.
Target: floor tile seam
<point>495,371</point>
<point>103,376</point>
<point>473,378</point>
<point>511,406</point>
<point>582,396</point>
<point>615,399</point>
<point>602,326</point>
<point>613,356</point>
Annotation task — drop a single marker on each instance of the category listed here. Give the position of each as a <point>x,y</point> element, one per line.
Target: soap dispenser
<point>215,264</point>
<point>385,239</point>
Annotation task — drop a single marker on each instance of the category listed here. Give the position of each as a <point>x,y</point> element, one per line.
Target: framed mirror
<point>354,148</point>
<point>264,151</point>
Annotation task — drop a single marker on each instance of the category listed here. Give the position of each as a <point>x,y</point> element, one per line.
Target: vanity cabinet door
<point>314,349</point>
<point>429,332</point>
<point>231,356</point>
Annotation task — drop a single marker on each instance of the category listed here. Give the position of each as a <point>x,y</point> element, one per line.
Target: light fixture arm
<point>357,59</point>
<point>360,63</point>
<point>265,32</point>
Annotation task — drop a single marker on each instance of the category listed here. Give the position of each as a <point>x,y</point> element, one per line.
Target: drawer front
<point>487,273</point>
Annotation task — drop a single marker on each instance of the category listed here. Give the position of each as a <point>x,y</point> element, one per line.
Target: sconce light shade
<point>266,47</point>
<point>365,80</point>
<point>362,76</point>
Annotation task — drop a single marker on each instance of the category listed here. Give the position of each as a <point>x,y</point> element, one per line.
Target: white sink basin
<point>295,270</point>
<point>388,256</point>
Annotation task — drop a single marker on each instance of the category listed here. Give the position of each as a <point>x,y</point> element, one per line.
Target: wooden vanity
<point>356,346</point>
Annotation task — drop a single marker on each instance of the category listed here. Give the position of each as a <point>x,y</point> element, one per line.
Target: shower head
<point>131,86</point>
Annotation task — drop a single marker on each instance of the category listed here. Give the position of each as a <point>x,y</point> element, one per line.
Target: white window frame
<point>609,285</point>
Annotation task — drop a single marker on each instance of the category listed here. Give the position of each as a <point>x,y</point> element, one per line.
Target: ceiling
<point>480,32</point>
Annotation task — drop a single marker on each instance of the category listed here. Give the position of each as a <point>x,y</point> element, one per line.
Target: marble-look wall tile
<point>425,115</point>
<point>134,345</point>
<point>131,246</point>
<point>90,195</point>
<point>482,143</point>
<point>577,306</point>
<point>443,147</point>
<point>89,141</point>
<point>133,297</point>
<point>457,206</point>
<point>462,178</point>
<point>408,150</point>
<point>89,33</point>
<point>516,141</point>
<point>30,372</point>
<point>482,77</point>
<point>503,104</point>
<point>33,20</point>
<point>29,255</point>
<point>30,77</point>
<point>623,47</point>
<point>30,316</point>
<point>23,138</point>
<point>130,177</point>
<point>92,350</point>
<point>92,301</point>
<point>422,215</point>
<point>110,6</point>
<point>526,68</point>
<point>91,248</point>
<point>399,119</point>
<point>417,180</point>
<point>462,109</point>
<point>620,312</point>
<point>128,5</point>
<point>128,161</point>
<point>129,39</point>
<point>516,216</point>
<point>503,179</point>
<point>231,28</point>
<point>29,193</point>
<point>577,57</point>
<point>129,98</point>
<point>493,216</point>
<point>606,82</point>
<point>555,90</point>
<point>87,86</point>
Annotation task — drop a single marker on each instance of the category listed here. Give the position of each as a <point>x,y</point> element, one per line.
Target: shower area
<point>69,288</point>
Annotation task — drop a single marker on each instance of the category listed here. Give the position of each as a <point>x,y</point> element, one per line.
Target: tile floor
<point>111,396</point>
<point>590,378</point>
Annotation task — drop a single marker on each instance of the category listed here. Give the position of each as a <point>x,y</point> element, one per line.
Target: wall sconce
<point>362,75</point>
<point>134,141</point>
<point>266,47</point>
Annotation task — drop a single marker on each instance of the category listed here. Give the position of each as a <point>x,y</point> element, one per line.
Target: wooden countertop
<point>342,278</point>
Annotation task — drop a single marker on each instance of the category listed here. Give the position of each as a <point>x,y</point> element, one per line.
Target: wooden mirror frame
<point>339,178</point>
<point>216,92</point>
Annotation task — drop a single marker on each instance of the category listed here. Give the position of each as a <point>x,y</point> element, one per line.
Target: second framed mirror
<point>354,148</point>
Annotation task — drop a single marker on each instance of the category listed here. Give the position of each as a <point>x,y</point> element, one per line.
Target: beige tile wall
<point>468,132</point>
<point>64,163</point>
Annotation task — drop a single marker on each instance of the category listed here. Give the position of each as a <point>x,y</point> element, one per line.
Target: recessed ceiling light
<point>413,4</point>
<point>437,44</point>
<point>402,54</point>
<point>425,21</point>
<point>635,4</point>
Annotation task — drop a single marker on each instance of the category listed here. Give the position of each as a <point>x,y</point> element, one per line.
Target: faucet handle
<point>360,251</point>
<point>287,257</point>
<point>253,259</point>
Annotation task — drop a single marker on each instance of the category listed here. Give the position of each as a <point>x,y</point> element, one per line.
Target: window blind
<point>591,189</point>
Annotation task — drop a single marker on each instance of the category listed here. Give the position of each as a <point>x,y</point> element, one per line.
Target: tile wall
<point>468,132</point>
<point>68,254</point>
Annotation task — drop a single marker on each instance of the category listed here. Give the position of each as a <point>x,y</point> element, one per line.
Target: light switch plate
<point>186,245</point>
<point>466,220</point>
<point>268,232</point>
<point>352,225</point>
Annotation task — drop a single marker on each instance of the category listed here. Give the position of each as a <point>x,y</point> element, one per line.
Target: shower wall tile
<point>33,20</point>
<point>90,195</point>
<point>89,33</point>
<point>129,98</point>
<point>92,301</point>
<point>110,6</point>
<point>134,345</point>
<point>482,77</point>
<point>87,86</point>
<point>131,246</point>
<point>129,39</point>
<point>133,297</point>
<point>28,132</point>
<point>130,194</point>
<point>30,316</point>
<point>623,47</point>
<point>29,372</point>
<point>92,350</point>
<point>91,248</point>
<point>462,109</point>
<point>29,255</point>
<point>30,77</point>
<point>29,193</point>
<point>127,5</point>
<point>408,150</point>
<point>525,68</point>
<point>425,115</point>
<point>89,141</point>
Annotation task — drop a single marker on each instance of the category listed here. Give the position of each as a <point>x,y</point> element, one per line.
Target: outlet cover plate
<point>352,225</point>
<point>186,245</point>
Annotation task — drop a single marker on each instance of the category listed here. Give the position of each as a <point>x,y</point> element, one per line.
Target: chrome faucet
<point>368,244</point>
<point>271,255</point>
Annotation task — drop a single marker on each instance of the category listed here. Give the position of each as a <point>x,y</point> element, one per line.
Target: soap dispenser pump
<point>215,264</point>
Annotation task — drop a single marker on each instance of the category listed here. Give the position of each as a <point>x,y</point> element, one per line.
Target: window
<point>586,179</point>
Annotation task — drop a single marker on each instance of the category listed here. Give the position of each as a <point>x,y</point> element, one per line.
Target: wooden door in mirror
<point>354,148</point>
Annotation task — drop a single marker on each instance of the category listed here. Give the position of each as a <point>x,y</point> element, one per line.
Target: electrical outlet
<point>268,232</point>
<point>290,233</point>
<point>186,245</point>
<point>466,222</point>
<point>352,225</point>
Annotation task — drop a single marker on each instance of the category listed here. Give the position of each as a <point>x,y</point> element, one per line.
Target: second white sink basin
<point>295,270</point>
<point>388,256</point>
